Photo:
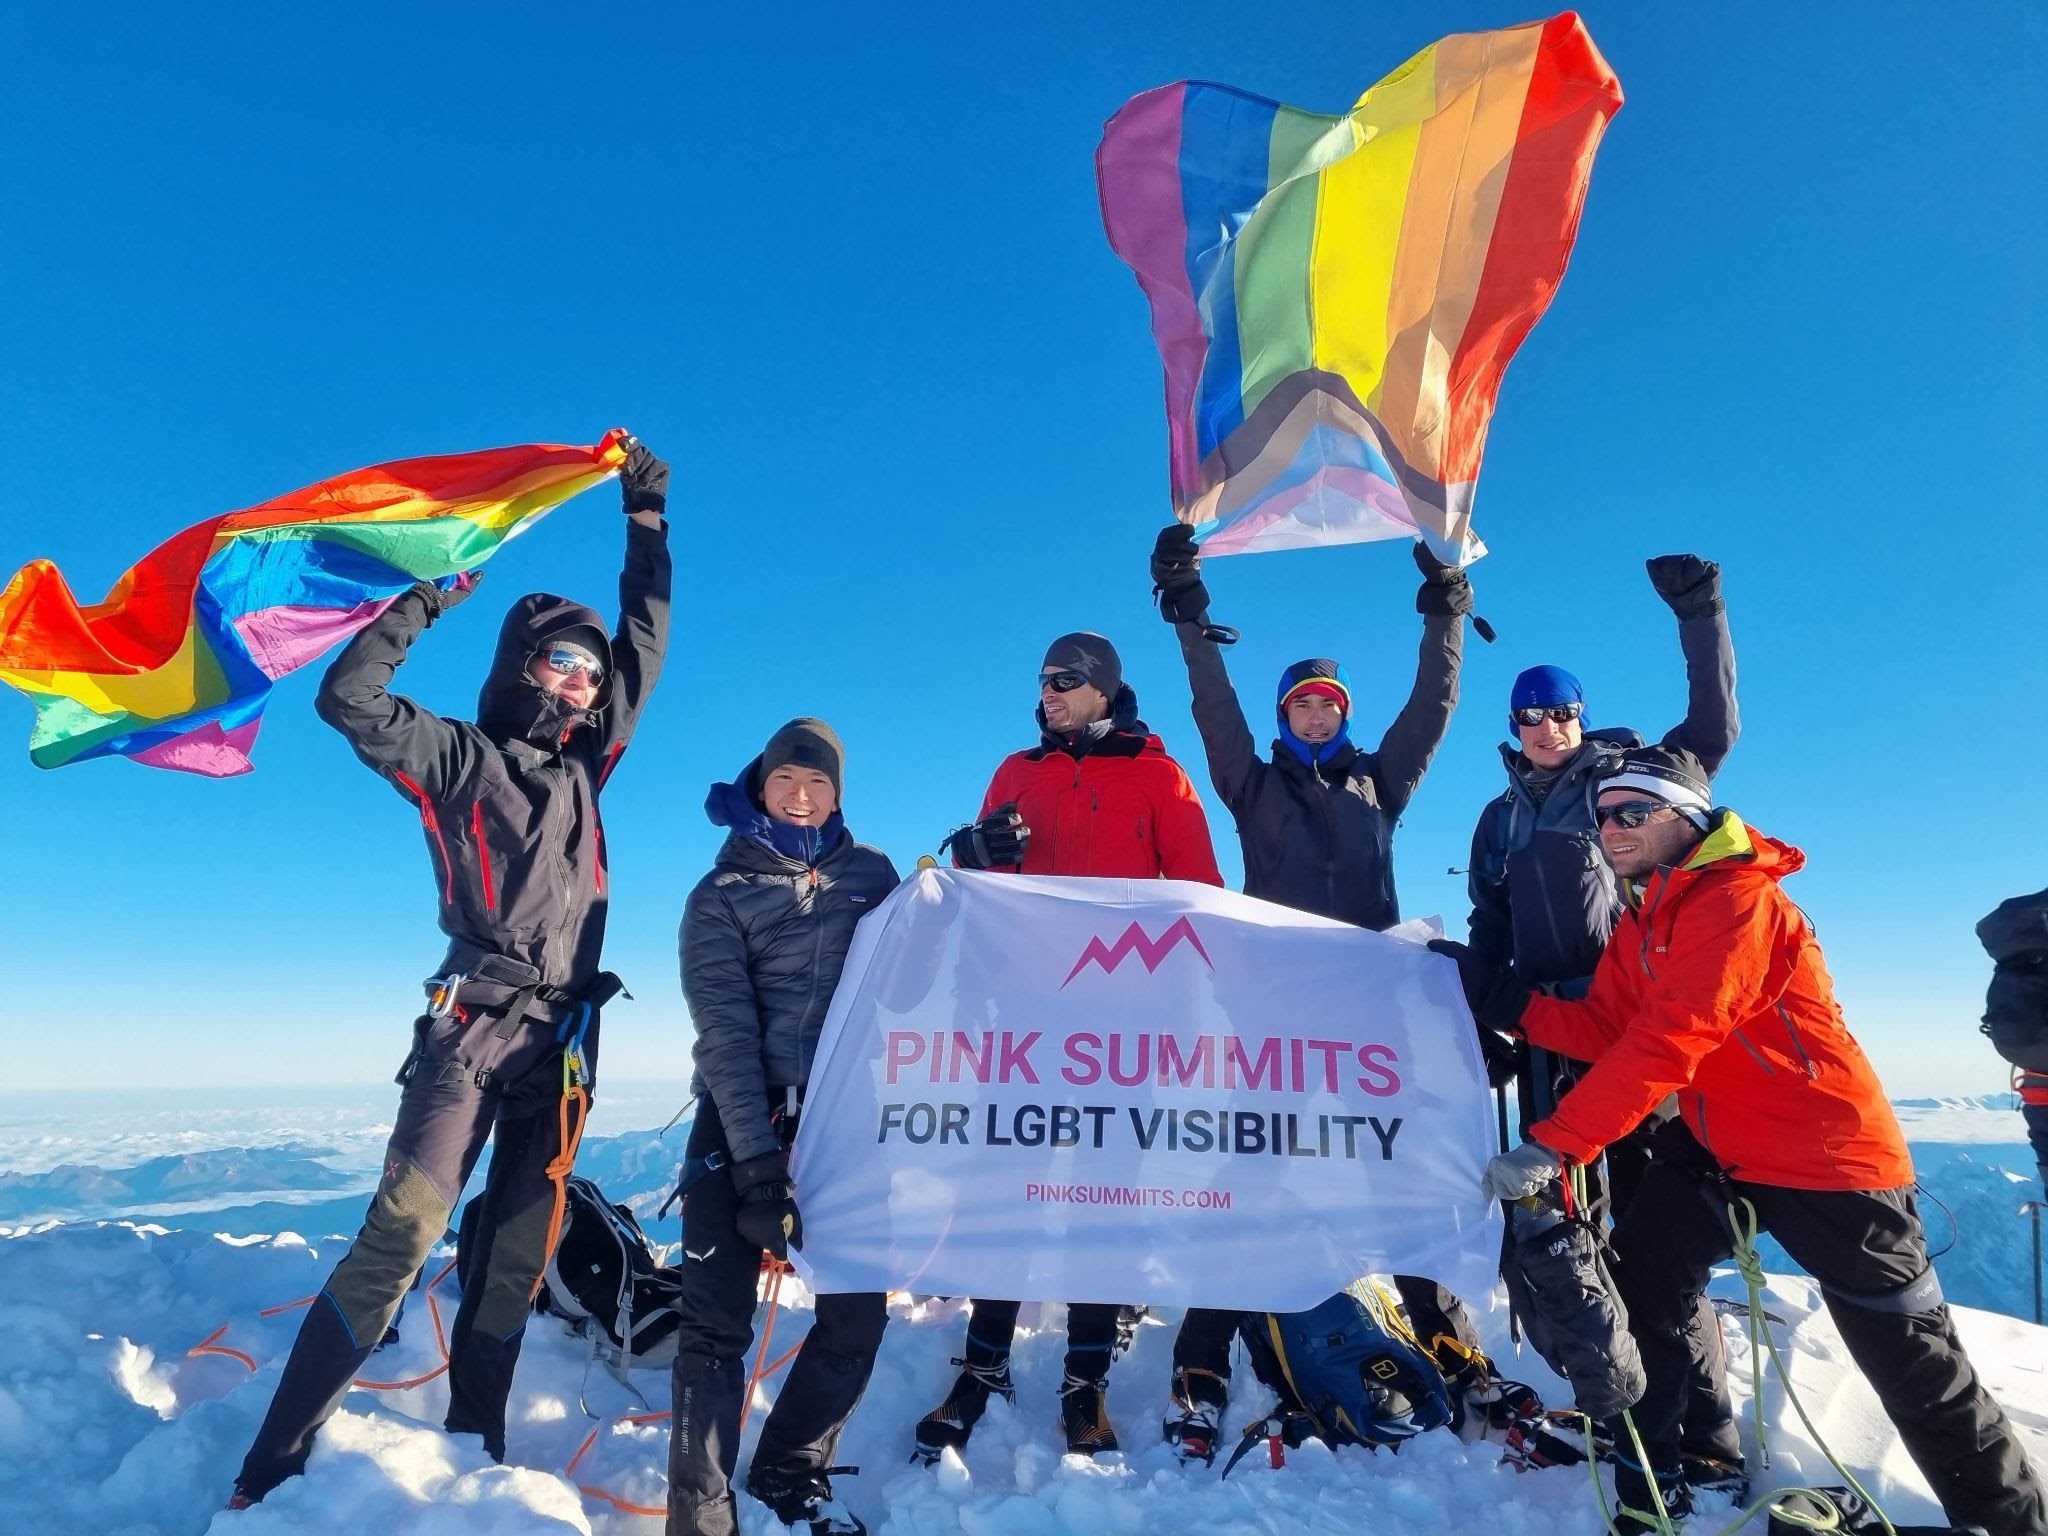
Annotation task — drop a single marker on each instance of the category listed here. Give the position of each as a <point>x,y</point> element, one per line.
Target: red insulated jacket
<point>1713,988</point>
<point>1123,809</point>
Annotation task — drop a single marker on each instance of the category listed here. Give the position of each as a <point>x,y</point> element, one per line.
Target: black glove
<point>644,480</point>
<point>767,1216</point>
<point>1177,576</point>
<point>1689,585</point>
<point>1446,590</point>
<point>997,841</point>
<point>1494,996</point>
<point>439,601</point>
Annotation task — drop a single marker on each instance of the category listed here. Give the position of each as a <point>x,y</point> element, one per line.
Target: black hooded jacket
<point>1321,839</point>
<point>1544,898</point>
<point>509,806</point>
<point>763,938</point>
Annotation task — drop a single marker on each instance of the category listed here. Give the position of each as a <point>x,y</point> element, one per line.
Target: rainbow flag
<point>1336,298</point>
<point>174,668</point>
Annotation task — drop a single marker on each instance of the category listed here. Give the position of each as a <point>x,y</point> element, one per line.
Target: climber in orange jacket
<point>1713,988</point>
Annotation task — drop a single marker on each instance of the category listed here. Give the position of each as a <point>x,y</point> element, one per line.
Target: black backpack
<point>602,1279</point>
<point>2016,1005</point>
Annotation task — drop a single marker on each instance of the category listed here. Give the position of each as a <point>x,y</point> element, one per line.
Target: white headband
<point>1673,792</point>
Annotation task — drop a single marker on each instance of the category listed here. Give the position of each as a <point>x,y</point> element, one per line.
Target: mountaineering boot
<point>803,1501</point>
<point>949,1424</point>
<point>1712,1474</point>
<point>1196,1424</point>
<point>1635,1512</point>
<point>240,1500</point>
<point>1084,1415</point>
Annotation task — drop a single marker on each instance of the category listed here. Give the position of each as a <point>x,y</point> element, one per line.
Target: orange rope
<point>440,1339</point>
<point>761,1373</point>
<point>208,1346</point>
<point>559,1171</point>
<point>767,1333</point>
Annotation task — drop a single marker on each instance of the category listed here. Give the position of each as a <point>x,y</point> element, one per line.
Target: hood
<point>511,706</point>
<point>1730,838</point>
<point>1320,667</point>
<point>734,807</point>
<point>1123,721</point>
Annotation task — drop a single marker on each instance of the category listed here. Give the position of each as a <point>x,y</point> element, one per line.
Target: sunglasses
<point>569,663</point>
<point>1630,813</point>
<point>1536,714</point>
<point>1062,682</point>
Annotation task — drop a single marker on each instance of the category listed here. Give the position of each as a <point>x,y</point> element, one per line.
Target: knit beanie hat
<point>1670,775</point>
<point>1089,654</point>
<point>1319,674</point>
<point>807,743</point>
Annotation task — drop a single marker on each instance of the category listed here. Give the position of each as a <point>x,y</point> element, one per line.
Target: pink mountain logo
<point>1134,940</point>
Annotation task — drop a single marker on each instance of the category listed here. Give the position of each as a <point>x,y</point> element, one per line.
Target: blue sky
<point>846,270</point>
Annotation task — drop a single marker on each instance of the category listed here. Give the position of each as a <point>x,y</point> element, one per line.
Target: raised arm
<point>642,638</point>
<point>719,992</point>
<point>413,747</point>
<point>1418,730</point>
<point>1692,588</point>
<point>1234,764</point>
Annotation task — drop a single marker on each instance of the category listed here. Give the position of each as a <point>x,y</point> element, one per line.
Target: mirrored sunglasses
<point>1630,813</point>
<point>570,662</point>
<point>1535,714</point>
<point>1062,682</point>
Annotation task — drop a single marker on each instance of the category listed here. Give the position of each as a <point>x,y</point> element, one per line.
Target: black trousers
<point>464,1083</point>
<point>1203,1342</point>
<point>1091,1335</point>
<point>720,1273</point>
<point>1864,1244</point>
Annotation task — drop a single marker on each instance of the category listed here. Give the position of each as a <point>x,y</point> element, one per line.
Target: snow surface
<point>109,1427</point>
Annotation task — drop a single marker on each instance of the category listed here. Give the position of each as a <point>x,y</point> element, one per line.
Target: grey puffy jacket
<point>1543,895</point>
<point>763,938</point>
<point>1321,840</point>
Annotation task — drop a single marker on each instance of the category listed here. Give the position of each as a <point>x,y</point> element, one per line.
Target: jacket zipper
<point>1769,1070</point>
<point>433,825</point>
<point>1700,1114</point>
<point>1643,950</point>
<point>817,952</point>
<point>1798,1045</point>
<point>483,853</point>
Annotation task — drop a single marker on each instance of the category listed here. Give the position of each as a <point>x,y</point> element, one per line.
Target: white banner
<point>1149,1091</point>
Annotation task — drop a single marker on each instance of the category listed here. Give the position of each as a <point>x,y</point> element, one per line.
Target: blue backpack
<point>1349,1371</point>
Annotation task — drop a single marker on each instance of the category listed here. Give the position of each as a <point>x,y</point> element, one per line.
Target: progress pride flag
<point>1139,1091</point>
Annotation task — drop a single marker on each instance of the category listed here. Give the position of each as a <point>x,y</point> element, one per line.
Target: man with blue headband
<point>1316,820</point>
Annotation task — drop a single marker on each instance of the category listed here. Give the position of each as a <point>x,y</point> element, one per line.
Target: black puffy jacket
<point>1544,898</point>
<point>764,936</point>
<point>1321,839</point>
<point>508,804</point>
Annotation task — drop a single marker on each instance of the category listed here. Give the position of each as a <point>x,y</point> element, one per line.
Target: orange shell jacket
<point>1713,988</point>
<point>1123,811</point>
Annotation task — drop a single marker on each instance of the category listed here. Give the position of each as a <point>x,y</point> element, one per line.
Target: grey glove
<point>1689,585</point>
<point>1525,1171</point>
